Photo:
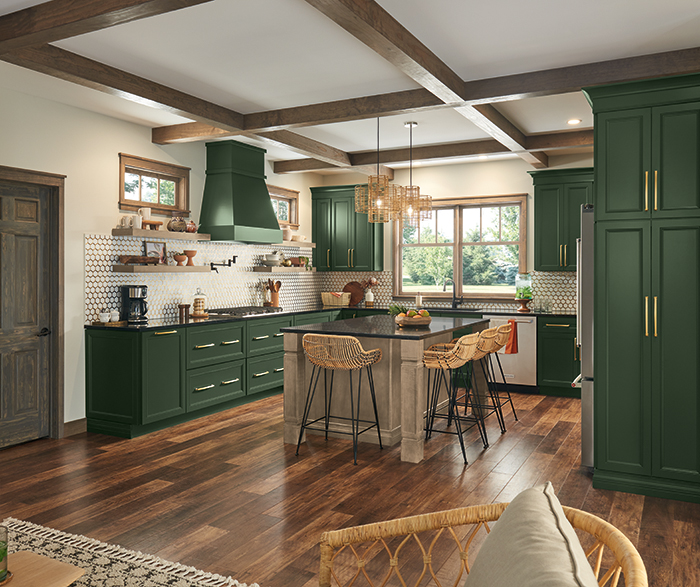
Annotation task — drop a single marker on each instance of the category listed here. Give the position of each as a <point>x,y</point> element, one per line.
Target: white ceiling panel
<point>548,113</point>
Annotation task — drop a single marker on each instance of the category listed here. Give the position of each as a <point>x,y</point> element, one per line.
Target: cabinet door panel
<point>209,345</point>
<point>676,158</point>
<point>622,159</point>
<point>163,375</point>
<point>557,359</point>
<point>266,372</point>
<point>622,347</point>
<point>321,233</point>
<point>575,195</point>
<point>343,212</point>
<point>209,386</point>
<point>547,229</point>
<point>676,348</point>
<point>362,253</point>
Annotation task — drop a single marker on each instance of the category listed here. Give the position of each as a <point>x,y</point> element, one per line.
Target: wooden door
<point>24,313</point>
<point>675,336</point>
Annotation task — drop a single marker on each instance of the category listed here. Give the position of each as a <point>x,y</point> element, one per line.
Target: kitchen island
<point>400,379</point>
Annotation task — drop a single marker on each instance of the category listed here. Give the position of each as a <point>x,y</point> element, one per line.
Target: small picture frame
<point>154,249</point>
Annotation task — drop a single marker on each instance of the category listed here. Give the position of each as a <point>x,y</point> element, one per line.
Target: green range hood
<point>236,205</point>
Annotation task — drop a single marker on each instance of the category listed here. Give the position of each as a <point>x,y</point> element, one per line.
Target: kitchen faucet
<point>455,301</point>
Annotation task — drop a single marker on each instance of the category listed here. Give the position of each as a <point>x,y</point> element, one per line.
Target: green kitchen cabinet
<point>559,195</point>
<point>265,362</point>
<point>345,240</point>
<point>558,359</point>
<point>163,394</point>
<point>315,318</point>
<point>647,148</point>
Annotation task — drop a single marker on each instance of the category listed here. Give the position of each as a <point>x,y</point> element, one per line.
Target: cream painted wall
<point>42,135</point>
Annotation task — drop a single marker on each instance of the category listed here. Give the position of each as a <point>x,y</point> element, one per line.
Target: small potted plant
<point>523,291</point>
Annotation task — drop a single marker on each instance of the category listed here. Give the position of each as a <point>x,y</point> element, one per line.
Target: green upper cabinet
<point>647,148</point>
<point>345,240</point>
<point>559,194</point>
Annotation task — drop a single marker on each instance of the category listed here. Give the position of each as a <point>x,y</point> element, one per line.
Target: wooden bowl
<point>414,322</point>
<point>180,259</point>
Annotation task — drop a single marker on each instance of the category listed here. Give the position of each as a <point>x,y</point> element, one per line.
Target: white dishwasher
<point>519,368</point>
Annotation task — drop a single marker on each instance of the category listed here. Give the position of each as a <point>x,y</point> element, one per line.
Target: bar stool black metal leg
<point>307,406</point>
<point>469,400</point>
<point>451,395</point>
<point>434,398</point>
<point>494,400</point>
<point>479,412</point>
<point>330,397</point>
<point>370,378</point>
<point>353,420</point>
<point>505,386</point>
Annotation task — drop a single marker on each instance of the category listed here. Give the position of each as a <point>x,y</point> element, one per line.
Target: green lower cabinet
<point>265,373</point>
<point>209,386</point>
<point>558,360</point>
<point>215,343</point>
<point>264,335</point>
<point>347,313</point>
<point>163,363</point>
<point>315,318</point>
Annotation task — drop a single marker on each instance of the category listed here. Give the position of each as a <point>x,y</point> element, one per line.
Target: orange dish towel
<point>512,344</point>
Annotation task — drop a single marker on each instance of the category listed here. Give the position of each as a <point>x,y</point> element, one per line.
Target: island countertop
<point>385,327</point>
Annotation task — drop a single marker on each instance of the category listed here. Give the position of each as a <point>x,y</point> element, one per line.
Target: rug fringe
<point>112,550</point>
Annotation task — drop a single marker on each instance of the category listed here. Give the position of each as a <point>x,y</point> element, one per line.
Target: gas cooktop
<point>241,311</point>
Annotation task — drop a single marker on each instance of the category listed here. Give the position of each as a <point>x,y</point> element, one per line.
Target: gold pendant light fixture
<point>415,207</point>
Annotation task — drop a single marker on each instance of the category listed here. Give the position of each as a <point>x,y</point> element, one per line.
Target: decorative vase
<point>177,223</point>
<point>189,254</point>
<point>191,226</point>
<point>369,299</point>
<point>523,309</point>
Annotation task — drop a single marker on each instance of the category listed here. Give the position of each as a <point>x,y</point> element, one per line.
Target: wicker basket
<point>328,299</point>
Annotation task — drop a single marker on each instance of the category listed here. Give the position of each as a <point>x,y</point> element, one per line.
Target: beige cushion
<point>532,544</point>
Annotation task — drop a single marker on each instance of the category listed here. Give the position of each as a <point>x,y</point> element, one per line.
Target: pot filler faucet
<point>455,300</point>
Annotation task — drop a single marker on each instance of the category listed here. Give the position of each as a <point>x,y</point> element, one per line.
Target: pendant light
<point>415,207</point>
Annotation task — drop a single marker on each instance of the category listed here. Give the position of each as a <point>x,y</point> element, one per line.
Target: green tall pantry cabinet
<point>647,288</point>
<point>345,240</point>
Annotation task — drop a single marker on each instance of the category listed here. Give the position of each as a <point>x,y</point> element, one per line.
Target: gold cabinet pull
<point>565,255</point>
<point>261,337</point>
<point>204,388</point>
<point>353,257</point>
<point>646,191</point>
<point>646,315</point>
<point>349,258</point>
<point>560,249</point>
<point>280,369</point>
<point>655,316</point>
<point>558,325</point>
<point>575,346</point>
<point>328,257</point>
<point>204,346</point>
<point>261,374</point>
<point>656,191</point>
<point>225,342</point>
<point>165,332</point>
<point>279,334</point>
<point>230,381</point>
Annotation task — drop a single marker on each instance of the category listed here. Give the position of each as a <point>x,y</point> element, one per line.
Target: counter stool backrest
<point>502,335</point>
<point>486,343</point>
<point>466,346</point>
<point>338,352</point>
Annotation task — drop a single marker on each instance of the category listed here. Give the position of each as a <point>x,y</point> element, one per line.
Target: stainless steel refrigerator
<point>584,329</point>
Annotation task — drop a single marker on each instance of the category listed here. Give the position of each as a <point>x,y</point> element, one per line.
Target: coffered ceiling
<point>307,79</point>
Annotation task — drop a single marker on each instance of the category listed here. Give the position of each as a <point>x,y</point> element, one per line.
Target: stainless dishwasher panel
<point>521,367</point>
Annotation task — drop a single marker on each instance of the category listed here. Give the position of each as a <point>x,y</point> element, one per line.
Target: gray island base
<point>400,379</point>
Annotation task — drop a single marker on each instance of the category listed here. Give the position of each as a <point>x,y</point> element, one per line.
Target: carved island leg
<point>412,400</point>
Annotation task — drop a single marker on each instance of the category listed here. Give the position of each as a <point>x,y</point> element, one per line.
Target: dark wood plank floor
<point>224,494</point>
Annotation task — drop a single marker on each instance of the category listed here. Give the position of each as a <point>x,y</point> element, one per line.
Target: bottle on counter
<point>419,300</point>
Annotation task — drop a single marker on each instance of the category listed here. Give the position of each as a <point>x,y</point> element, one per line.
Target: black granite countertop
<point>384,327</point>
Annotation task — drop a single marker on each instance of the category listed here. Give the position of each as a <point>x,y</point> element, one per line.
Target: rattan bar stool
<point>441,362</point>
<point>339,353</point>
<point>502,395</point>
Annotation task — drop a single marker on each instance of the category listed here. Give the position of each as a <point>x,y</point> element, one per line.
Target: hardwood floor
<point>224,494</point>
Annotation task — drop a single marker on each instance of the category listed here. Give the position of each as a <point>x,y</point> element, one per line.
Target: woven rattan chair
<point>501,394</point>
<point>442,360</point>
<point>411,551</point>
<point>339,353</point>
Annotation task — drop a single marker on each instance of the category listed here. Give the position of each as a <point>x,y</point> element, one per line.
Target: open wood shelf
<point>297,244</point>
<point>160,269</point>
<point>143,233</point>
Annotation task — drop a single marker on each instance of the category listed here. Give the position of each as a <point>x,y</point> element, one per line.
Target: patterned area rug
<point>107,564</point>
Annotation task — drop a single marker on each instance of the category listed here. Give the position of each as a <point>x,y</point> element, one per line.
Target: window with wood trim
<point>163,187</point>
<point>286,205</point>
<point>479,242</point>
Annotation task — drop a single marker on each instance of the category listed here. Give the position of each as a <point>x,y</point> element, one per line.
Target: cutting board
<point>357,293</point>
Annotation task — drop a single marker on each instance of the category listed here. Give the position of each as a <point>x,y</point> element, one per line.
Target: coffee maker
<point>134,306</point>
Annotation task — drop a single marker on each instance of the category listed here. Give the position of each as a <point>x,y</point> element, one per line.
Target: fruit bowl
<point>412,322</point>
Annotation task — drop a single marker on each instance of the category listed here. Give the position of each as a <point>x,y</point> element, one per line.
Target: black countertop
<point>384,327</point>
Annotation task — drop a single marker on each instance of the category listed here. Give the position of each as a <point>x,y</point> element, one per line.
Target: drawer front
<point>556,324</point>
<point>209,386</point>
<point>264,373</point>
<point>315,318</point>
<point>218,343</point>
<point>264,336</point>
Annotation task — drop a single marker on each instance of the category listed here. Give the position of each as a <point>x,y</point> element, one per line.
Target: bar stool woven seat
<point>339,353</point>
<point>441,360</point>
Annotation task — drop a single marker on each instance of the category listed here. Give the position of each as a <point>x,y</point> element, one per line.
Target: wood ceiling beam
<point>61,19</point>
<point>375,27</point>
<point>92,74</point>
<point>381,32</point>
<point>548,141</point>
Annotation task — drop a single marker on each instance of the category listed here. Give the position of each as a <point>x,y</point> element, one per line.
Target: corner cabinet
<point>647,287</point>
<point>345,240</point>
<point>559,195</point>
